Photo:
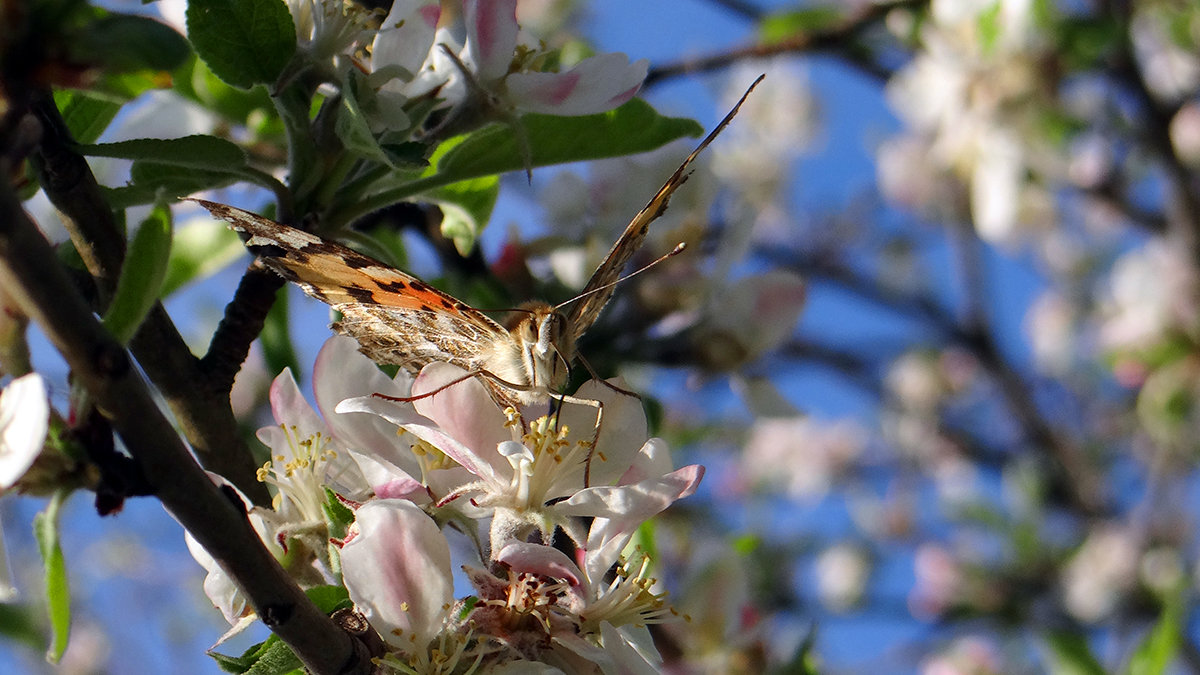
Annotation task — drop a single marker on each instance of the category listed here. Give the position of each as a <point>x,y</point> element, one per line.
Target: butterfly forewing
<point>585,311</point>
<point>395,317</point>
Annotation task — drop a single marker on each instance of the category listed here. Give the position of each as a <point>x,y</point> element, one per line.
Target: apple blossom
<point>411,42</point>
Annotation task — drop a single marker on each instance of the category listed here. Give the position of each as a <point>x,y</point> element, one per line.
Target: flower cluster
<point>450,475</point>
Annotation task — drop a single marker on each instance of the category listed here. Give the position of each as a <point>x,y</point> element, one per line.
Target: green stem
<point>293,104</point>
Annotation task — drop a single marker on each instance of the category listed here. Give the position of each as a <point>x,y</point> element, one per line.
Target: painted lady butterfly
<point>399,319</point>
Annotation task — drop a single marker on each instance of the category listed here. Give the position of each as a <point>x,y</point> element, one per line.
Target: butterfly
<point>399,319</point>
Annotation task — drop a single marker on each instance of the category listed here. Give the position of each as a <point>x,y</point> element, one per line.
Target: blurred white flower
<point>1050,325</point>
<point>1149,294</point>
<point>1171,71</point>
<point>842,573</point>
<point>1185,133</point>
<point>749,318</point>
<point>970,95</point>
<point>969,655</point>
<point>939,581</point>
<point>1100,573</point>
<point>773,129</point>
<point>801,456</point>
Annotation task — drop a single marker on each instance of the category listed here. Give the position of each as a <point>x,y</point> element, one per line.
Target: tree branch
<point>201,407</point>
<point>244,317</point>
<point>31,274</point>
<point>831,40</point>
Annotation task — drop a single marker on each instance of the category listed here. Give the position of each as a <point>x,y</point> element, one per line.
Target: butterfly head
<point>546,344</point>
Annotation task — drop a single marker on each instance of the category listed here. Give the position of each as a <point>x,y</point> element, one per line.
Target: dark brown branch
<point>838,41</point>
<point>243,321</point>
<point>31,274</point>
<point>742,8</point>
<point>202,409</point>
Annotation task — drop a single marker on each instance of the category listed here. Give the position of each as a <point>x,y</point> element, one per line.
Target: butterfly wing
<point>593,299</point>
<point>395,317</point>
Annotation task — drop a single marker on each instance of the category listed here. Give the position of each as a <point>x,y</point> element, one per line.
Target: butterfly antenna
<point>679,248</point>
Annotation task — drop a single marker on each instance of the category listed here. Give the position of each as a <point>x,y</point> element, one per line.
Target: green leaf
<point>245,42</point>
<point>126,43</point>
<point>142,275</point>
<point>1086,41</point>
<point>776,28</point>
<point>632,128</point>
<point>337,514</point>
<point>270,657</point>
<point>252,108</point>
<point>277,659</point>
<point>352,126</point>
<point>152,178</point>
<point>87,115</point>
<point>197,152</point>
<point>1069,654</point>
<point>1160,645</point>
<point>58,594</point>
<point>275,339</point>
<point>199,250</point>
<point>466,208</point>
<point>329,598</point>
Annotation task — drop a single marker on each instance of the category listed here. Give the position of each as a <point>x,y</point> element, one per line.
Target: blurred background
<point>936,340</point>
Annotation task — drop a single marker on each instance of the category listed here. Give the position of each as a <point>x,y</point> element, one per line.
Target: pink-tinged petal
<point>622,429</point>
<point>403,488</point>
<point>543,560</point>
<point>491,36</point>
<point>342,373</point>
<point>653,460</point>
<point>619,511</point>
<point>464,410</point>
<point>406,35</point>
<point>289,407</point>
<point>24,418</point>
<point>397,571</point>
<point>594,85</point>
<point>387,477</point>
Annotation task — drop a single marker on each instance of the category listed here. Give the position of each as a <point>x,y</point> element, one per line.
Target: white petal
<point>24,417</point>
<point>397,571</point>
<point>594,85</point>
<point>406,35</point>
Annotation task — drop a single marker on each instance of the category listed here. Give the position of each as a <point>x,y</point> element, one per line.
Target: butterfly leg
<point>418,397</point>
<point>610,385</point>
<point>599,406</point>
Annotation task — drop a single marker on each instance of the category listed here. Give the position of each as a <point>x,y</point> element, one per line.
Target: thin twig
<point>832,40</point>
<point>243,320</point>
<point>1079,483</point>
<point>202,410</point>
<point>32,275</point>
